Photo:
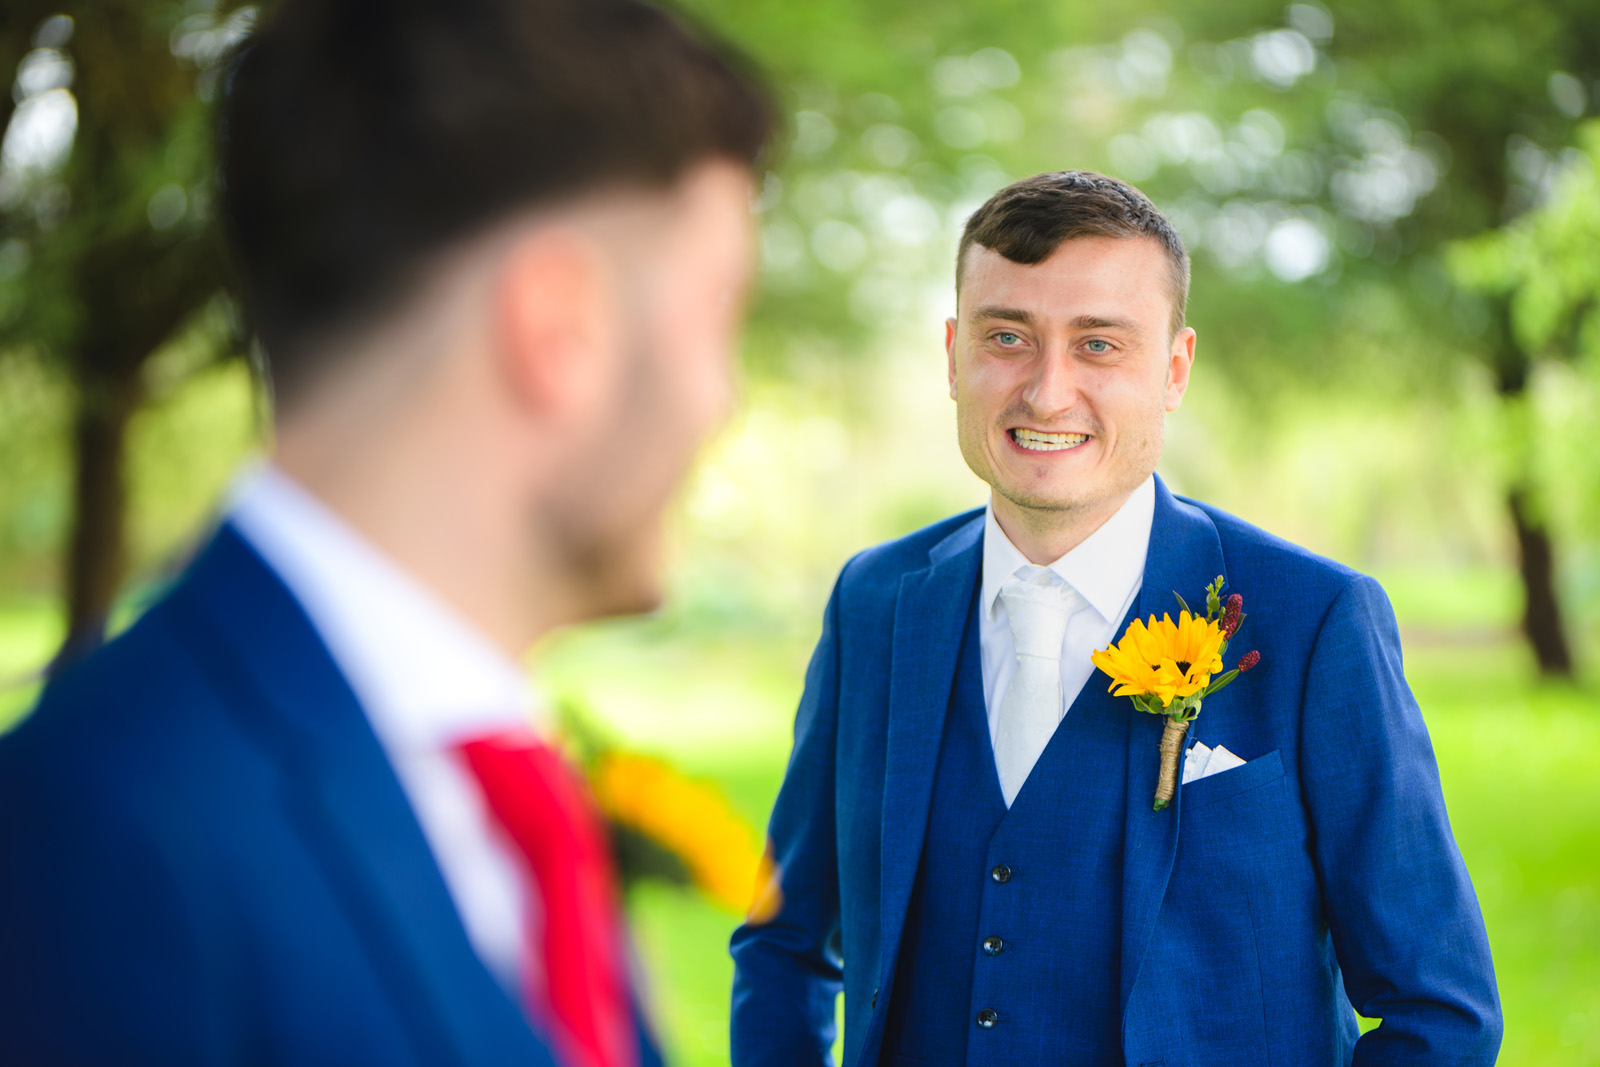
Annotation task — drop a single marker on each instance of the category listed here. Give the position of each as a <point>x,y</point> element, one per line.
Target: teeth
<point>1047,442</point>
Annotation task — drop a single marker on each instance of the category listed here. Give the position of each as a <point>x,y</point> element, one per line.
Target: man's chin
<point>1061,500</point>
<point>605,575</point>
<point>624,592</point>
<point>641,601</point>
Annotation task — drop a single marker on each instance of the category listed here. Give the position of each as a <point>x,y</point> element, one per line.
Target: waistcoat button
<point>1001,873</point>
<point>993,945</point>
<point>987,1018</point>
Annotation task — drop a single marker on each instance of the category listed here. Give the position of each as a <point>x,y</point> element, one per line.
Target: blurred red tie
<point>547,812</point>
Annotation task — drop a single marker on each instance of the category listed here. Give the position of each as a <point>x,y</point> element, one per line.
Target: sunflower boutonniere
<point>1168,668</point>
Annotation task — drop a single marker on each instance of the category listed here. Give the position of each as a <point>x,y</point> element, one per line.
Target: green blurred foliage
<point>33,474</point>
<point>1292,145</point>
<point>1316,162</point>
<point>1546,261</point>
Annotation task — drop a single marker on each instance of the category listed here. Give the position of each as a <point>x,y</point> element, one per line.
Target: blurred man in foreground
<point>973,838</point>
<point>496,252</point>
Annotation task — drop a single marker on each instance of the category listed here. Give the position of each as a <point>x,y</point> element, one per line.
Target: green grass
<point>1518,762</point>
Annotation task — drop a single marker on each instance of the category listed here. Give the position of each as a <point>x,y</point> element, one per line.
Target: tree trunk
<point>1541,606</point>
<point>1541,612</point>
<point>95,555</point>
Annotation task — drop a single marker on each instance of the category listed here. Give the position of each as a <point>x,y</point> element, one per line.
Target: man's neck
<point>1044,535</point>
<point>438,517</point>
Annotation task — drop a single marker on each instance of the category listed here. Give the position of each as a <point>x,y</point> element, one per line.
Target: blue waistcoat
<point>1008,903</point>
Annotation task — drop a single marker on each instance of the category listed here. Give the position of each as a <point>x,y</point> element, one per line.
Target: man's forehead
<point>1130,274</point>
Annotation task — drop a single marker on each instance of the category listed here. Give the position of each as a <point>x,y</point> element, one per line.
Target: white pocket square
<point>1203,762</point>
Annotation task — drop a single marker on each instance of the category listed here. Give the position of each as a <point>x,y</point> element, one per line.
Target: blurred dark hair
<point>358,138</point>
<point>1028,220</point>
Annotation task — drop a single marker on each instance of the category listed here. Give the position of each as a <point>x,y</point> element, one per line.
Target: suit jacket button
<point>993,945</point>
<point>1001,873</point>
<point>987,1018</point>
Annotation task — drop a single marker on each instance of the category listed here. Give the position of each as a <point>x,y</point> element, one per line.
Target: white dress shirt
<point>427,680</point>
<point>1107,570</point>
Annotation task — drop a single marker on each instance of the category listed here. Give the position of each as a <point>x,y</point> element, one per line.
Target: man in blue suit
<point>495,253</point>
<point>965,836</point>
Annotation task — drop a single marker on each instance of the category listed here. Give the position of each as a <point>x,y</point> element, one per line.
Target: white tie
<point>1031,710</point>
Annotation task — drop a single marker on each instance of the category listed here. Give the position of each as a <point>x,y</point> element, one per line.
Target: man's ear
<point>1179,362</point>
<point>950,352</point>
<point>555,323</point>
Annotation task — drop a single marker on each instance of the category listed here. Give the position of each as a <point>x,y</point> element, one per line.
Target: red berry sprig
<point>1233,615</point>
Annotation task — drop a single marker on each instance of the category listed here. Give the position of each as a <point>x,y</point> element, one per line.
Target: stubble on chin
<point>603,528</point>
<point>605,569</point>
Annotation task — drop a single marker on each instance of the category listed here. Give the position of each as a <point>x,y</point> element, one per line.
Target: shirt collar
<point>1107,569</point>
<point>425,676</point>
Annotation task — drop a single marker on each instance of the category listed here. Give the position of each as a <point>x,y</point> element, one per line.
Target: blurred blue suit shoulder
<point>205,857</point>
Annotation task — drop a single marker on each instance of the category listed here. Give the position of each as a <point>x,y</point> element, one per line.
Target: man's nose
<point>1053,387</point>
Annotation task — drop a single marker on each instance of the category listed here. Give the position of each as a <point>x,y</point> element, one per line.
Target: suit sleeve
<point>1404,919</point>
<point>787,971</point>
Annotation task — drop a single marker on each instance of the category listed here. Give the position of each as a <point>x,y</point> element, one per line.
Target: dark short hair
<point>359,138</point>
<point>1028,220</point>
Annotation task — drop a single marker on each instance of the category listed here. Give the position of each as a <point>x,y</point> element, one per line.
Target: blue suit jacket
<point>206,858</point>
<point>1255,910</point>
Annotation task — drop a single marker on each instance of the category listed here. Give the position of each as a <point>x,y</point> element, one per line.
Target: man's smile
<point>1034,441</point>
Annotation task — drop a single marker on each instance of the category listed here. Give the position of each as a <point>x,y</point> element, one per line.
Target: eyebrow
<point>1100,322</point>
<point>991,312</point>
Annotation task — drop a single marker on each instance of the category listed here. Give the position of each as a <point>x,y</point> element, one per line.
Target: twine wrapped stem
<point>1171,745</point>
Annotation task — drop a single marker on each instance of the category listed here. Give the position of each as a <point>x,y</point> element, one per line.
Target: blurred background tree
<point>105,238</point>
<point>1541,271</point>
<point>1393,215</point>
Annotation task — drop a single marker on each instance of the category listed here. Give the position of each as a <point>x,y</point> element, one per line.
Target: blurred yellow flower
<point>1166,660</point>
<point>694,821</point>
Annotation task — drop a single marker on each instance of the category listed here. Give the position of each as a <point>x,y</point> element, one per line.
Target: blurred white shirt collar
<point>425,676</point>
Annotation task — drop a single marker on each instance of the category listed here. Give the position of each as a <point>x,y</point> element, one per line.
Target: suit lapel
<point>930,618</point>
<point>350,807</point>
<point>1184,557</point>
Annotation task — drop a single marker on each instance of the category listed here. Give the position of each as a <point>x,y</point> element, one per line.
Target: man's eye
<point>1098,346</point>
<point>1008,338</point>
